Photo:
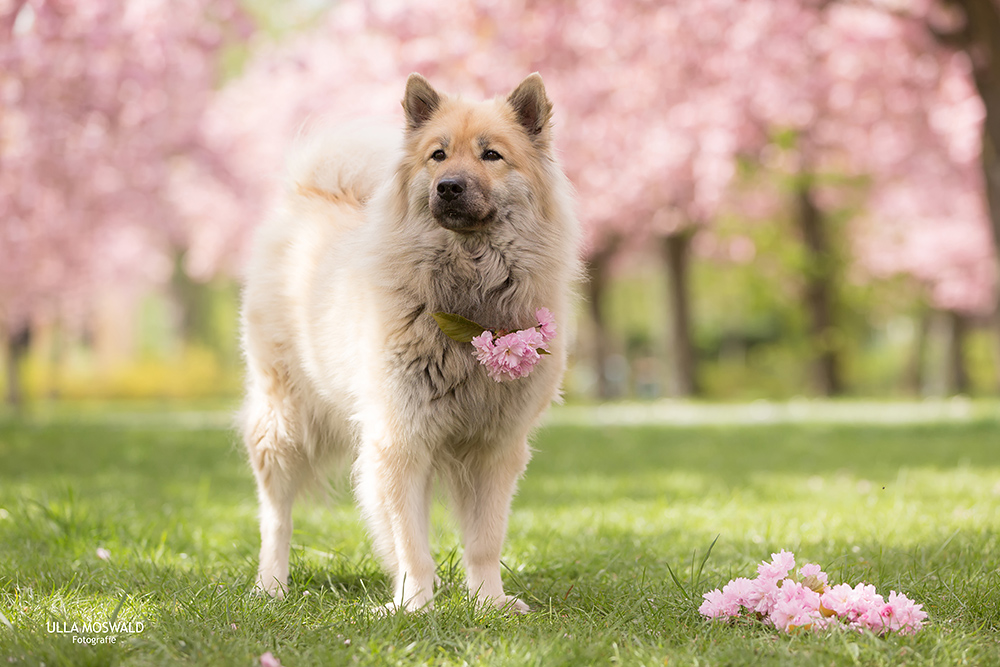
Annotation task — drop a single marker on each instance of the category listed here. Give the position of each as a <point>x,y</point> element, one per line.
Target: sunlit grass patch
<point>604,515</point>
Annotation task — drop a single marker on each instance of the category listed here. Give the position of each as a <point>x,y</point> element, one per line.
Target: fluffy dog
<point>471,215</point>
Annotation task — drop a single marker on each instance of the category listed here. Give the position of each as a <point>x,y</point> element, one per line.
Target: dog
<point>468,212</point>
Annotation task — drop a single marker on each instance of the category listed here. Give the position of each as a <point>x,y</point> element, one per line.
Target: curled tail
<point>342,164</point>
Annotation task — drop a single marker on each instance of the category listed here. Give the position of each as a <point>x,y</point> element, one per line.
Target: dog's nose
<point>450,189</point>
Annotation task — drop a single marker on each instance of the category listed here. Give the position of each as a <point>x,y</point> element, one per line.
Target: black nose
<point>451,188</point>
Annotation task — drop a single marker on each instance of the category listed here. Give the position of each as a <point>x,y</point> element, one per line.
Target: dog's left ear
<point>533,108</point>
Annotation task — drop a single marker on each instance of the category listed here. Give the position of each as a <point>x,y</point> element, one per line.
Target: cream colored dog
<point>471,215</point>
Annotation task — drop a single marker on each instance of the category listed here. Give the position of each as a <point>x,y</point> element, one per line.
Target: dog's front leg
<point>482,492</point>
<point>392,481</point>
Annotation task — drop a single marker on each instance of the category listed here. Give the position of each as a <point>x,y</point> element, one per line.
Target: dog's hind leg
<point>279,466</point>
<point>392,485</point>
<point>482,487</point>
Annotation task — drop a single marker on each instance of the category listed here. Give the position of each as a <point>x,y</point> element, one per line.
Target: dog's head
<point>476,160</point>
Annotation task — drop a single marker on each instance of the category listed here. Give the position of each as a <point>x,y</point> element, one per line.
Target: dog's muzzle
<point>458,203</point>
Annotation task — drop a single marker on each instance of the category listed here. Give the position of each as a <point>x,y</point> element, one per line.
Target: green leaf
<point>457,327</point>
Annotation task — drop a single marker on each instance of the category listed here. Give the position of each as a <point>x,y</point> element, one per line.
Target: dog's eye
<point>491,155</point>
<point>438,155</point>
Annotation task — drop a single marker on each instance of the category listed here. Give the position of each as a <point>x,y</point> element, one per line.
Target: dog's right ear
<point>420,101</point>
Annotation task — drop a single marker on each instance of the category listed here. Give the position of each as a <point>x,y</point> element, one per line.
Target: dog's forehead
<point>459,122</point>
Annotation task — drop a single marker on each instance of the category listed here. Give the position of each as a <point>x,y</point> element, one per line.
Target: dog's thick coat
<point>472,215</point>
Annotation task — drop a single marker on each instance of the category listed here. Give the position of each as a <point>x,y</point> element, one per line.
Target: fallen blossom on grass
<point>807,601</point>
<point>103,553</point>
<point>268,660</point>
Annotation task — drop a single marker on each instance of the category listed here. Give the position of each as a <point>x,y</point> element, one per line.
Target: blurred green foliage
<point>749,330</point>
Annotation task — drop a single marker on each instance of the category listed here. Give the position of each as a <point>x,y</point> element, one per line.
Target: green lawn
<point>602,512</point>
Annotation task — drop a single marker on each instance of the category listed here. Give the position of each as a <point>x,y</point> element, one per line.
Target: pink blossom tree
<point>917,135</point>
<point>655,102</point>
<point>928,216</point>
<point>868,95</point>
<point>101,102</point>
<point>654,147</point>
<point>971,29</point>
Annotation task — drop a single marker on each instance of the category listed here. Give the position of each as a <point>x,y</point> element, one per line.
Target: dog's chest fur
<point>469,277</point>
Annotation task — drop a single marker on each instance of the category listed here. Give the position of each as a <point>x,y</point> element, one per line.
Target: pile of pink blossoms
<point>513,355</point>
<point>809,602</point>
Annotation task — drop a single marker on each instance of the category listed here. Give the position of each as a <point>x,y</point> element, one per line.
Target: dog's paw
<point>390,608</point>
<point>507,603</point>
<point>272,589</point>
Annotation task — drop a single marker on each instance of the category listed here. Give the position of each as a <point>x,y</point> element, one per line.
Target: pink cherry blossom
<point>813,570</point>
<point>807,602</point>
<point>902,615</point>
<point>509,354</point>
<point>509,357</point>
<point>795,606</point>
<point>532,338</point>
<point>739,590</point>
<point>268,660</point>
<point>484,346</point>
<point>839,599</point>
<point>546,323</point>
<point>514,354</point>
<point>768,577</point>
<point>813,576</point>
<point>866,606</point>
<point>729,600</point>
<point>716,605</point>
<point>779,567</point>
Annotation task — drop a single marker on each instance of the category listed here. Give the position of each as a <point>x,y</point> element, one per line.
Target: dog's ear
<point>532,107</point>
<point>420,101</point>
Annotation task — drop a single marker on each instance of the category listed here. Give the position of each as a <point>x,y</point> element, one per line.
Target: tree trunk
<point>957,375</point>
<point>979,38</point>
<point>819,293</point>
<point>995,325</point>
<point>683,361</point>
<point>191,303</point>
<point>913,377</point>
<point>597,268</point>
<point>17,344</point>
<point>991,177</point>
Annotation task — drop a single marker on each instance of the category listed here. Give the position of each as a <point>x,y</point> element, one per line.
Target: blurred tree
<point>101,99</point>
<point>599,267</point>
<point>973,27</point>
<point>866,94</point>
<point>976,33</point>
<point>929,212</point>
<point>963,131</point>
<point>654,102</point>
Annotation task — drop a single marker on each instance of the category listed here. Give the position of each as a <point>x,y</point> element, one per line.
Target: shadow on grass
<point>352,580</point>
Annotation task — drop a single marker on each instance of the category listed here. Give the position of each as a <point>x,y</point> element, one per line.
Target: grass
<point>603,516</point>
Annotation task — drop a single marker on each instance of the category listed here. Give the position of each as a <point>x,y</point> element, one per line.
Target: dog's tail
<point>343,164</point>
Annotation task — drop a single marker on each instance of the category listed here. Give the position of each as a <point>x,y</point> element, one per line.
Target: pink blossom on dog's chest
<point>508,356</point>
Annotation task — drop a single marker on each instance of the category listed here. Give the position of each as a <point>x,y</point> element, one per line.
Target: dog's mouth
<point>460,204</point>
<point>462,221</point>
